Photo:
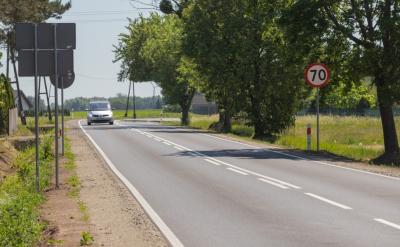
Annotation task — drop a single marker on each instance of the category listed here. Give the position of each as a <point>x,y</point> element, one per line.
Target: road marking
<point>269,149</point>
<point>179,148</point>
<point>388,223</point>
<point>329,201</point>
<point>242,170</point>
<point>212,162</point>
<point>167,143</point>
<point>169,235</point>
<point>273,183</point>
<point>159,140</point>
<point>237,171</point>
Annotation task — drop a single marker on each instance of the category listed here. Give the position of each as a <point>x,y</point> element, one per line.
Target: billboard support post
<point>56,105</point>
<point>37,153</point>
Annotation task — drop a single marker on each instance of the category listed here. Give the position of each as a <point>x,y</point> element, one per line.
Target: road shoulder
<point>117,219</point>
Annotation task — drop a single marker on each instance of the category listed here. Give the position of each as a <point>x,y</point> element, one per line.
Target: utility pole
<point>134,100</point>
<point>48,98</point>
<point>127,100</point>
<point>154,94</point>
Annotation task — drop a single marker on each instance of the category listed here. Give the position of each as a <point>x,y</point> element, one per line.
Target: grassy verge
<point>358,138</point>
<point>73,181</point>
<point>19,201</point>
<point>74,191</point>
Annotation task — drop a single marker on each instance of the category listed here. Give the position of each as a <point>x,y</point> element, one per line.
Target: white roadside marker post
<point>308,137</point>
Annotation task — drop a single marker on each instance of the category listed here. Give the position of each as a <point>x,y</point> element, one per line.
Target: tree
<point>371,30</point>
<point>212,40</point>
<point>166,6</point>
<point>6,103</point>
<point>19,11</point>
<point>240,48</point>
<point>152,51</point>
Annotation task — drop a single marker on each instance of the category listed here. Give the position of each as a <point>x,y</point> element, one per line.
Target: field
<point>358,138</point>
<point>119,114</point>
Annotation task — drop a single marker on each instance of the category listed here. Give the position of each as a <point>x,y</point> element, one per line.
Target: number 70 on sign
<point>317,75</point>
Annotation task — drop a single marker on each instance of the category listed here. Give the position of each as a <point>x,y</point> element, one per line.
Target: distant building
<point>26,104</point>
<point>200,105</point>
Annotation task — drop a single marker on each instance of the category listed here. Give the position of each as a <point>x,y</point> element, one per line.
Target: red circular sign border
<point>323,84</point>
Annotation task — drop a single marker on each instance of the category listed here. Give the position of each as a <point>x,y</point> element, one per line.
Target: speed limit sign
<point>317,75</point>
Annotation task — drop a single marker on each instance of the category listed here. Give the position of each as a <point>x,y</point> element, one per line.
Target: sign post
<point>317,75</point>
<point>45,49</point>
<point>37,144</point>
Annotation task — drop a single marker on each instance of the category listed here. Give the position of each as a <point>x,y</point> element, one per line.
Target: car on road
<point>99,112</point>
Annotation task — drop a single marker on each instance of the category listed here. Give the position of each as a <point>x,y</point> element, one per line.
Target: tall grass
<point>19,201</point>
<point>358,138</point>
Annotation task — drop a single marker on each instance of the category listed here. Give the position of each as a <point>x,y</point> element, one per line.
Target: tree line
<point>118,102</point>
<point>249,57</point>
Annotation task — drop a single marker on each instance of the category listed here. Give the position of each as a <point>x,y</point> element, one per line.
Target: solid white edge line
<point>388,223</point>
<point>237,171</point>
<point>212,162</point>
<point>168,234</point>
<point>273,183</point>
<point>167,143</point>
<point>180,149</point>
<point>329,201</point>
<point>268,149</point>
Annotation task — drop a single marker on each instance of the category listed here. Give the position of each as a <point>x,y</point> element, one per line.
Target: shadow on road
<point>266,154</point>
<point>235,153</point>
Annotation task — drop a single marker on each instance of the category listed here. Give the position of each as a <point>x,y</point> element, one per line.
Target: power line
<point>104,12</point>
<point>95,77</point>
<point>99,20</point>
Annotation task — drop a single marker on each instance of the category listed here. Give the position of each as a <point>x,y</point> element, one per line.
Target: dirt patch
<point>62,214</point>
<point>116,218</point>
<point>7,158</point>
<point>22,142</point>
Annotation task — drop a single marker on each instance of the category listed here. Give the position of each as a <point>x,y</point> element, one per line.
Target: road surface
<point>210,191</point>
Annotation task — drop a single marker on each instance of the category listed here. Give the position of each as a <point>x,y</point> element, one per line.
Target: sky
<point>98,23</point>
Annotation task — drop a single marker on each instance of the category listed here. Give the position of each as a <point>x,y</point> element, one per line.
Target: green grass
<point>86,239</point>
<point>74,181</point>
<point>19,201</point>
<point>358,138</point>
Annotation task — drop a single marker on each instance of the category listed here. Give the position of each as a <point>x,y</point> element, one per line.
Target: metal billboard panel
<point>66,36</point>
<point>64,81</point>
<point>25,36</point>
<point>26,63</point>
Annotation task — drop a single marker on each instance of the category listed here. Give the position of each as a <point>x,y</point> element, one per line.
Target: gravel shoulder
<point>116,218</point>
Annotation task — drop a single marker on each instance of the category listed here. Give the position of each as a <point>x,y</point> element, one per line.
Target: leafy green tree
<point>349,96</point>
<point>242,52</point>
<point>152,51</point>
<point>6,103</point>
<point>213,40</point>
<point>369,32</point>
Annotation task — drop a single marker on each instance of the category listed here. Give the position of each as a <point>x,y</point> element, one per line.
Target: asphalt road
<point>215,192</point>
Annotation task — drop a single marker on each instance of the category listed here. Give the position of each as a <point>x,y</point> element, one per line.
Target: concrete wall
<point>12,121</point>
